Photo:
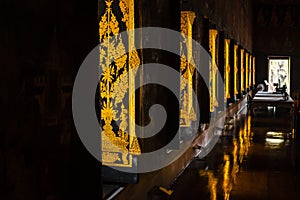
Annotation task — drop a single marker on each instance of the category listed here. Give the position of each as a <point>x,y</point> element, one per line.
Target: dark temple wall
<point>276,33</point>
<point>233,17</point>
<point>42,44</point>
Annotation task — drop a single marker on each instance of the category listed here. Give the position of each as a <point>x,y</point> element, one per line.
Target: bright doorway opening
<point>279,72</point>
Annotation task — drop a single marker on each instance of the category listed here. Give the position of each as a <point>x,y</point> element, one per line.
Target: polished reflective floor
<point>257,159</point>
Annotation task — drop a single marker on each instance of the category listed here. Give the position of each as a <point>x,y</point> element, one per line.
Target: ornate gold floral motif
<point>242,70</point>
<point>227,69</point>
<point>236,69</point>
<point>213,69</point>
<point>250,71</point>
<point>247,70</point>
<point>110,157</point>
<point>253,71</point>
<point>127,8</point>
<point>187,67</point>
<point>115,85</point>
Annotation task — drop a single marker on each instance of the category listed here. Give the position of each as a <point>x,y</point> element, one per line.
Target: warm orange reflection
<point>244,137</point>
<point>231,164</point>
<point>227,179</point>
<point>235,165</point>
<point>212,182</point>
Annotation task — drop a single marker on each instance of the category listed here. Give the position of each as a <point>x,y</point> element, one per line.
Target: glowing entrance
<point>279,72</point>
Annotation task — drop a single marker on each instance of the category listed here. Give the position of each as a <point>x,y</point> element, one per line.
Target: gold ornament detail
<point>127,8</point>
<point>187,68</point>
<point>242,70</point>
<point>250,71</point>
<point>253,71</point>
<point>227,69</point>
<point>213,69</point>
<point>247,70</point>
<point>236,69</point>
<point>115,86</point>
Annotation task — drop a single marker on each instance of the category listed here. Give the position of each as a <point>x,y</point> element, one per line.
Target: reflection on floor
<point>252,161</point>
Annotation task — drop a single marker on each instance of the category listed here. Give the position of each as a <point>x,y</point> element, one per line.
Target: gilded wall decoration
<point>227,69</point>
<point>253,71</point>
<point>116,83</point>
<point>213,68</point>
<point>247,71</point>
<point>250,70</point>
<point>242,70</point>
<point>187,67</point>
<point>236,91</point>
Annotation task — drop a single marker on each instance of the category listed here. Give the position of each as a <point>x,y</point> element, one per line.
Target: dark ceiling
<point>283,2</point>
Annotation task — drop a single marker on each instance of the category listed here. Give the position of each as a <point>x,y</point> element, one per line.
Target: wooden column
<point>165,14</point>
<point>204,99</point>
<point>221,82</point>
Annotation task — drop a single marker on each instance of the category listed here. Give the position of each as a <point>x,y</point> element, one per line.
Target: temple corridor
<point>147,100</point>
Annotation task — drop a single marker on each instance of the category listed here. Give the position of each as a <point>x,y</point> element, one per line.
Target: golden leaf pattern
<point>247,70</point>
<point>253,71</point>
<point>227,69</point>
<point>115,84</point>
<point>213,69</point>
<point>236,69</point>
<point>242,71</point>
<point>187,67</point>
